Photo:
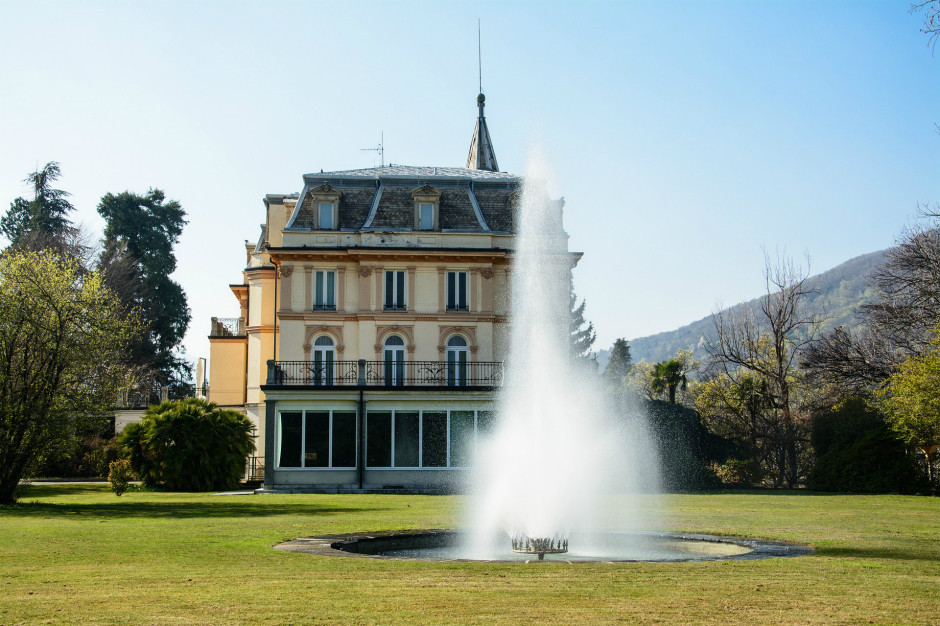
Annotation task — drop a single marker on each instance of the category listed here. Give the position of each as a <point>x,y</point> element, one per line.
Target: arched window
<point>394,360</point>
<point>457,361</point>
<point>323,356</point>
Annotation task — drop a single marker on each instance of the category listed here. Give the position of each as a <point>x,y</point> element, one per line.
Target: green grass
<point>76,554</point>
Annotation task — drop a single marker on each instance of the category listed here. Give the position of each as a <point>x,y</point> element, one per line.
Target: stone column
<point>286,286</point>
<point>379,282</point>
<point>441,289</point>
<point>411,288</point>
<point>308,287</point>
<point>341,288</point>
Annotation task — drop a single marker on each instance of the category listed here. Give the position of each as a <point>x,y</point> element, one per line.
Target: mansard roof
<point>383,198</point>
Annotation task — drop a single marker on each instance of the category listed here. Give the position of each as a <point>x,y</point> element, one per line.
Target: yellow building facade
<point>372,328</point>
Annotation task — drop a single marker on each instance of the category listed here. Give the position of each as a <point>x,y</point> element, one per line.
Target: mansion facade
<point>372,332</point>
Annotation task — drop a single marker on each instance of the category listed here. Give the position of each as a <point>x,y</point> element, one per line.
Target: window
<point>325,215</point>
<point>324,292</point>
<point>291,430</point>
<point>394,361</point>
<point>457,291</point>
<point>395,291</point>
<point>457,361</point>
<point>323,356</point>
<point>317,439</point>
<point>425,216</point>
<point>461,438</point>
<point>379,439</point>
<point>427,203</point>
<point>434,439</point>
<point>407,436</point>
<point>424,439</point>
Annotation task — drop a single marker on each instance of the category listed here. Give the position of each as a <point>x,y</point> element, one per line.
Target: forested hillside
<point>840,291</point>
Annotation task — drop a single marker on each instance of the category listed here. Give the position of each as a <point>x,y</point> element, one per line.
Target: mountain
<point>839,293</point>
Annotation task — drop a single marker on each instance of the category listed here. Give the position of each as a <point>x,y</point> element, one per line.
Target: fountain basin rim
<point>348,545</point>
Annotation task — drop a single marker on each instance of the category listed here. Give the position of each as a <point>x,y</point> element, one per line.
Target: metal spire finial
<point>482,156</point>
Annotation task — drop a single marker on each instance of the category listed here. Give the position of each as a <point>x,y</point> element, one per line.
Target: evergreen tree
<point>620,362</point>
<point>42,221</point>
<point>140,234</point>
<point>581,332</point>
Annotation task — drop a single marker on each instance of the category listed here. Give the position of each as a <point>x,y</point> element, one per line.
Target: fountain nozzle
<point>539,545</point>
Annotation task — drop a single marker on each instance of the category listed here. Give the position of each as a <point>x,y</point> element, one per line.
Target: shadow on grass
<point>799,493</point>
<point>126,506</point>
<point>879,553</point>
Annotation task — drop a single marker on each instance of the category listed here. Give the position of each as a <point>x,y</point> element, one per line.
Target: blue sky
<point>686,137</point>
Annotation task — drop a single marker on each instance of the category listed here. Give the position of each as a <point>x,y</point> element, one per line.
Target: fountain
<point>563,473</point>
<point>560,462</point>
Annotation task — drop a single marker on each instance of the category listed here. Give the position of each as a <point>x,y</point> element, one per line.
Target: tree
<point>62,357</point>
<point>897,324</point>
<point>140,234</point>
<point>619,364</point>
<point>667,377</point>
<point>767,345</point>
<point>42,221</point>
<point>931,26</point>
<point>640,379</point>
<point>189,445</point>
<point>581,332</point>
<point>911,399</point>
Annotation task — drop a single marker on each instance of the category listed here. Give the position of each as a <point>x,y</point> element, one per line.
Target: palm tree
<point>668,376</point>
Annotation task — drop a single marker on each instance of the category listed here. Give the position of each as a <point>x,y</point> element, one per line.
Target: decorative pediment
<point>325,188</point>
<point>426,193</point>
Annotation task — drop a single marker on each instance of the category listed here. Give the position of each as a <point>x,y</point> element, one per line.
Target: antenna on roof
<point>479,56</point>
<point>380,149</point>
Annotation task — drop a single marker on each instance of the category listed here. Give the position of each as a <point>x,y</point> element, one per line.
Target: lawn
<point>72,554</point>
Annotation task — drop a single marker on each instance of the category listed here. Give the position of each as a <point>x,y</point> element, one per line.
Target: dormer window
<point>426,216</point>
<point>318,210</point>
<point>326,216</point>
<point>427,201</point>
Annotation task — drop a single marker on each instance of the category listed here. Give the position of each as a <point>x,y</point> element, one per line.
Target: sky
<point>687,138</point>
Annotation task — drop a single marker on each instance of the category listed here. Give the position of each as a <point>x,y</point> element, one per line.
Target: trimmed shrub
<point>687,451</point>
<point>119,475</point>
<point>856,451</point>
<point>189,445</point>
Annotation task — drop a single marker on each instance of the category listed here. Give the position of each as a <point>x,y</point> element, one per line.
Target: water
<point>560,461</point>
<point>599,547</point>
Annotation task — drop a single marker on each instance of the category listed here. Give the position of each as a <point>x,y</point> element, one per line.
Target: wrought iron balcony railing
<point>384,374</point>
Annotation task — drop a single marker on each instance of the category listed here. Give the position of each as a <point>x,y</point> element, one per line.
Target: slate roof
<point>380,198</point>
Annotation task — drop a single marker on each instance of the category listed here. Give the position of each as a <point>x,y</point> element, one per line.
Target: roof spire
<point>482,155</point>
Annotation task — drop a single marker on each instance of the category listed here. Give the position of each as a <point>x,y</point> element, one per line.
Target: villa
<point>372,331</point>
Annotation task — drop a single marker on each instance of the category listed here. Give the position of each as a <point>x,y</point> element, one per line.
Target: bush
<point>687,451</point>
<point>189,445</point>
<point>88,457</point>
<point>119,475</point>
<point>856,451</point>
<point>738,472</point>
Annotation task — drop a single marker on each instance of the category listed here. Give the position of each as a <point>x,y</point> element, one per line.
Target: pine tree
<point>582,335</point>
<point>43,221</point>
<point>620,362</point>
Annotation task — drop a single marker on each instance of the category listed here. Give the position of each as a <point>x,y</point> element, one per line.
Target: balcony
<point>227,327</point>
<point>373,374</point>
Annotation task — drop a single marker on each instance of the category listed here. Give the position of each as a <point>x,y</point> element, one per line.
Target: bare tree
<point>897,324</point>
<point>766,343</point>
<point>931,26</point>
